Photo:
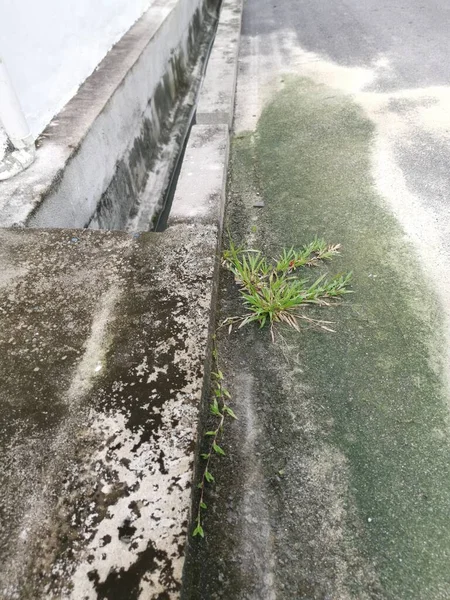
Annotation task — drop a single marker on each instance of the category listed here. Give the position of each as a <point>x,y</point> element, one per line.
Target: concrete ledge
<point>102,144</point>
<point>103,366</point>
<point>200,192</point>
<point>216,101</point>
<point>106,344</point>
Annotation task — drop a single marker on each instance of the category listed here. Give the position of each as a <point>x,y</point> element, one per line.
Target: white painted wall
<point>51,46</point>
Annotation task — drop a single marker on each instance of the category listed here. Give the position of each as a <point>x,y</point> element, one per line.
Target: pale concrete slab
<point>200,193</point>
<point>216,100</point>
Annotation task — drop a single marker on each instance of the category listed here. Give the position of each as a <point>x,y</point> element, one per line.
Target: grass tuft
<point>276,291</point>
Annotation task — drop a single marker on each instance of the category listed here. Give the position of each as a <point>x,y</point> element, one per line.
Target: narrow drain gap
<point>161,217</point>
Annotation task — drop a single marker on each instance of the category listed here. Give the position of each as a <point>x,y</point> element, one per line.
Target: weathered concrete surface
<point>336,479</point>
<point>205,167</point>
<point>103,340</point>
<point>216,99</point>
<point>98,159</point>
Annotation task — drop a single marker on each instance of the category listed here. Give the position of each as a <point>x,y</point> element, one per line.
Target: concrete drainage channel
<point>105,335</point>
<point>106,160</point>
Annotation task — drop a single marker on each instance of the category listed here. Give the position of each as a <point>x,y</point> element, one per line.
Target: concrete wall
<point>51,46</point>
<point>100,147</point>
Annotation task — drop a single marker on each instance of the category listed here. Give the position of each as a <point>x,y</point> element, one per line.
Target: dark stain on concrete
<point>126,583</point>
<point>126,531</point>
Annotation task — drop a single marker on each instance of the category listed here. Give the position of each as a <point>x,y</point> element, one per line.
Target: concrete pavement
<point>105,342</point>
<point>99,402</point>
<point>336,483</point>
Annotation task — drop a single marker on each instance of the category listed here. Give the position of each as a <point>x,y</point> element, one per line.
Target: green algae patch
<point>379,378</point>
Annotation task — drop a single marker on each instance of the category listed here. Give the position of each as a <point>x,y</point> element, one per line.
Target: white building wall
<point>51,46</point>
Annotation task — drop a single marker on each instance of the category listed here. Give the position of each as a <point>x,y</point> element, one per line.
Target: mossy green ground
<point>379,378</point>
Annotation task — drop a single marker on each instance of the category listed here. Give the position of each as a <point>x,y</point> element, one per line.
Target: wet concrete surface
<point>103,342</point>
<point>335,483</point>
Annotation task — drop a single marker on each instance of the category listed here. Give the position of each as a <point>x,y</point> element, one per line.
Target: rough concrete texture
<point>216,99</point>
<point>205,166</point>
<point>102,145</point>
<point>336,479</point>
<point>104,338</point>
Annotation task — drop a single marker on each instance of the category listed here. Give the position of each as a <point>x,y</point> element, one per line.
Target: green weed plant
<point>277,291</point>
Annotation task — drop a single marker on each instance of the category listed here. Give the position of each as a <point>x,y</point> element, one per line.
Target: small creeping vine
<point>220,410</point>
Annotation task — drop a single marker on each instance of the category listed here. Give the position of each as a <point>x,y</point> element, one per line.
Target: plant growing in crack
<point>276,292</point>
<point>220,410</point>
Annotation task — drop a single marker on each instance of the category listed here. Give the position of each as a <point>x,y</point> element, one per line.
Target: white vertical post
<point>11,114</point>
<point>14,123</point>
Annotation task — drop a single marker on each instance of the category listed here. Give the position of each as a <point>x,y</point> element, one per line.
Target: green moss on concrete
<point>380,377</point>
